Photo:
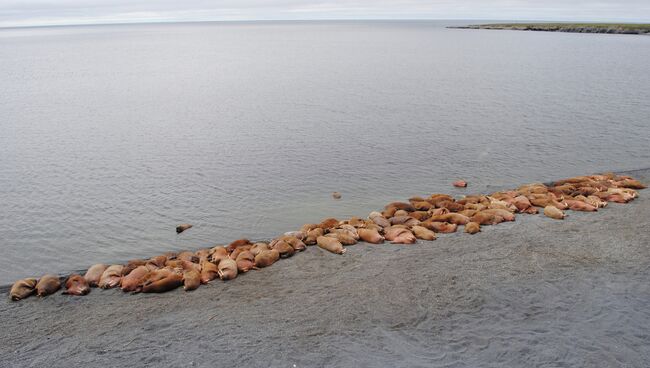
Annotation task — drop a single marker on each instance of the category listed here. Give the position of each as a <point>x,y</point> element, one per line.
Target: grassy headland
<point>613,28</point>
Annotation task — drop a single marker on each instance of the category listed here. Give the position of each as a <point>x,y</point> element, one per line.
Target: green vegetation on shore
<point>614,28</point>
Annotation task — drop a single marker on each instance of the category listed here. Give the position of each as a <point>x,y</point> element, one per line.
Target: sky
<point>14,13</point>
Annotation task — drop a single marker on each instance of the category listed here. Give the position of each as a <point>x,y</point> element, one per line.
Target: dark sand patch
<point>538,292</point>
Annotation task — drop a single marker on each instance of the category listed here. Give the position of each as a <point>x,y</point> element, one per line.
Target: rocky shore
<point>627,28</point>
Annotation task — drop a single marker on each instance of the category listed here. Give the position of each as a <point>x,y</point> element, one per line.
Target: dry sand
<point>538,292</point>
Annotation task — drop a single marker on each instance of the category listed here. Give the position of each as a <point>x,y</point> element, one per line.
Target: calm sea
<point>110,136</point>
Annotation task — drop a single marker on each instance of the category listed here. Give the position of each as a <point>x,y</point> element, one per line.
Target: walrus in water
<point>398,235</point>
<point>423,233</point>
<point>111,277</point>
<point>370,236</point>
<point>94,273</point>
<point>48,284</point>
<point>472,227</point>
<point>209,271</point>
<point>228,269</point>
<point>266,258</point>
<point>191,279</point>
<point>163,280</point>
<point>553,212</point>
<point>182,227</point>
<point>245,261</point>
<point>330,244</point>
<point>76,285</point>
<point>460,184</point>
<point>133,281</point>
<point>21,289</point>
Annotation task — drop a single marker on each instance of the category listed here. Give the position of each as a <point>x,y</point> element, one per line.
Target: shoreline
<point>600,28</point>
<point>533,292</point>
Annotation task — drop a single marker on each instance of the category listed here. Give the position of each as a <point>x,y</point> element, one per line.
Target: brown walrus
<point>399,235</point>
<point>580,206</point>
<point>401,206</point>
<point>343,237</point>
<point>370,236</point>
<point>156,262</point>
<point>187,256</point>
<point>451,206</point>
<point>94,273</point>
<point>219,253</point>
<point>553,212</point>
<point>209,271</point>
<point>266,258</point>
<point>245,261</point>
<point>472,227</point>
<point>257,248</point>
<point>21,289</point>
<point>312,235</point>
<point>329,223</point>
<point>235,253</point>
<point>460,184</point>
<point>454,218</point>
<point>440,227</point>
<point>227,269</point>
<point>203,254</point>
<point>133,281</point>
<point>166,280</point>
<point>48,284</point>
<point>237,243</point>
<point>422,205</point>
<point>423,233</point>
<point>191,279</point>
<point>111,277</point>
<point>420,215</point>
<point>403,220</point>
<point>330,244</point>
<point>485,218</point>
<point>379,219</point>
<point>284,248</point>
<point>294,242</point>
<point>182,227</point>
<point>132,265</point>
<point>631,183</point>
<point>76,285</point>
<point>505,214</point>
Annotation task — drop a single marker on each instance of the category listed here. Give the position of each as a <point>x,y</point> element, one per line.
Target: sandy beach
<point>536,292</point>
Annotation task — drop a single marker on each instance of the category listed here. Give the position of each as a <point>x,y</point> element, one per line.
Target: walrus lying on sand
<point>399,222</point>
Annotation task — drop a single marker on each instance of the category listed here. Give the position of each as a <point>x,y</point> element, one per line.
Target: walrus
<point>401,206</point>
<point>94,273</point>
<point>440,227</point>
<point>203,254</point>
<point>468,213</point>
<point>182,227</point>
<point>257,248</point>
<point>553,212</point>
<point>245,262</point>
<point>133,281</point>
<point>76,285</point>
<point>596,201</point>
<point>472,227</point>
<point>111,277</point>
<point>423,233</point>
<point>580,206</point>
<point>460,184</point>
<point>330,244</point>
<point>400,213</point>
<point>379,219</point>
<point>399,235</point>
<point>487,218</point>
<point>191,279</point>
<point>237,243</point>
<point>507,215</point>
<point>23,288</point>
<point>349,229</point>
<point>422,205</point>
<point>296,234</point>
<point>170,281</point>
<point>312,235</point>
<point>370,236</point>
<point>266,258</point>
<point>235,253</point>
<point>187,256</point>
<point>454,218</point>
<point>419,215</point>
<point>296,243</point>
<point>209,271</point>
<point>343,237</point>
<point>285,249</point>
<point>132,265</point>
<point>336,195</point>
<point>631,183</point>
<point>329,223</point>
<point>48,284</point>
<point>156,262</point>
<point>228,269</point>
<point>452,206</point>
<point>438,211</point>
<point>522,203</point>
<point>219,253</point>
<point>356,222</point>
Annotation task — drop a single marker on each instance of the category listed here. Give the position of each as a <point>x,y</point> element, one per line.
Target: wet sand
<point>537,292</point>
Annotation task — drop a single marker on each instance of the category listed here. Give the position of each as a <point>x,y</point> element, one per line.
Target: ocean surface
<point>110,136</point>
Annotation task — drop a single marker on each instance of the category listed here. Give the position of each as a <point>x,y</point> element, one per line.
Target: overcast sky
<point>58,12</point>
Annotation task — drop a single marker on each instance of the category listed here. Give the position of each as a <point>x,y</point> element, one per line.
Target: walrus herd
<point>400,223</point>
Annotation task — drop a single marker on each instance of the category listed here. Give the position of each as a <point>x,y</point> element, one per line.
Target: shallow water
<point>112,135</point>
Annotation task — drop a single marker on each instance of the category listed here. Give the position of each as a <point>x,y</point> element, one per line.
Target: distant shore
<point>610,28</point>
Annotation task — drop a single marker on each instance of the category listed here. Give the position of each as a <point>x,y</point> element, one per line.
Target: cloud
<point>59,12</point>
